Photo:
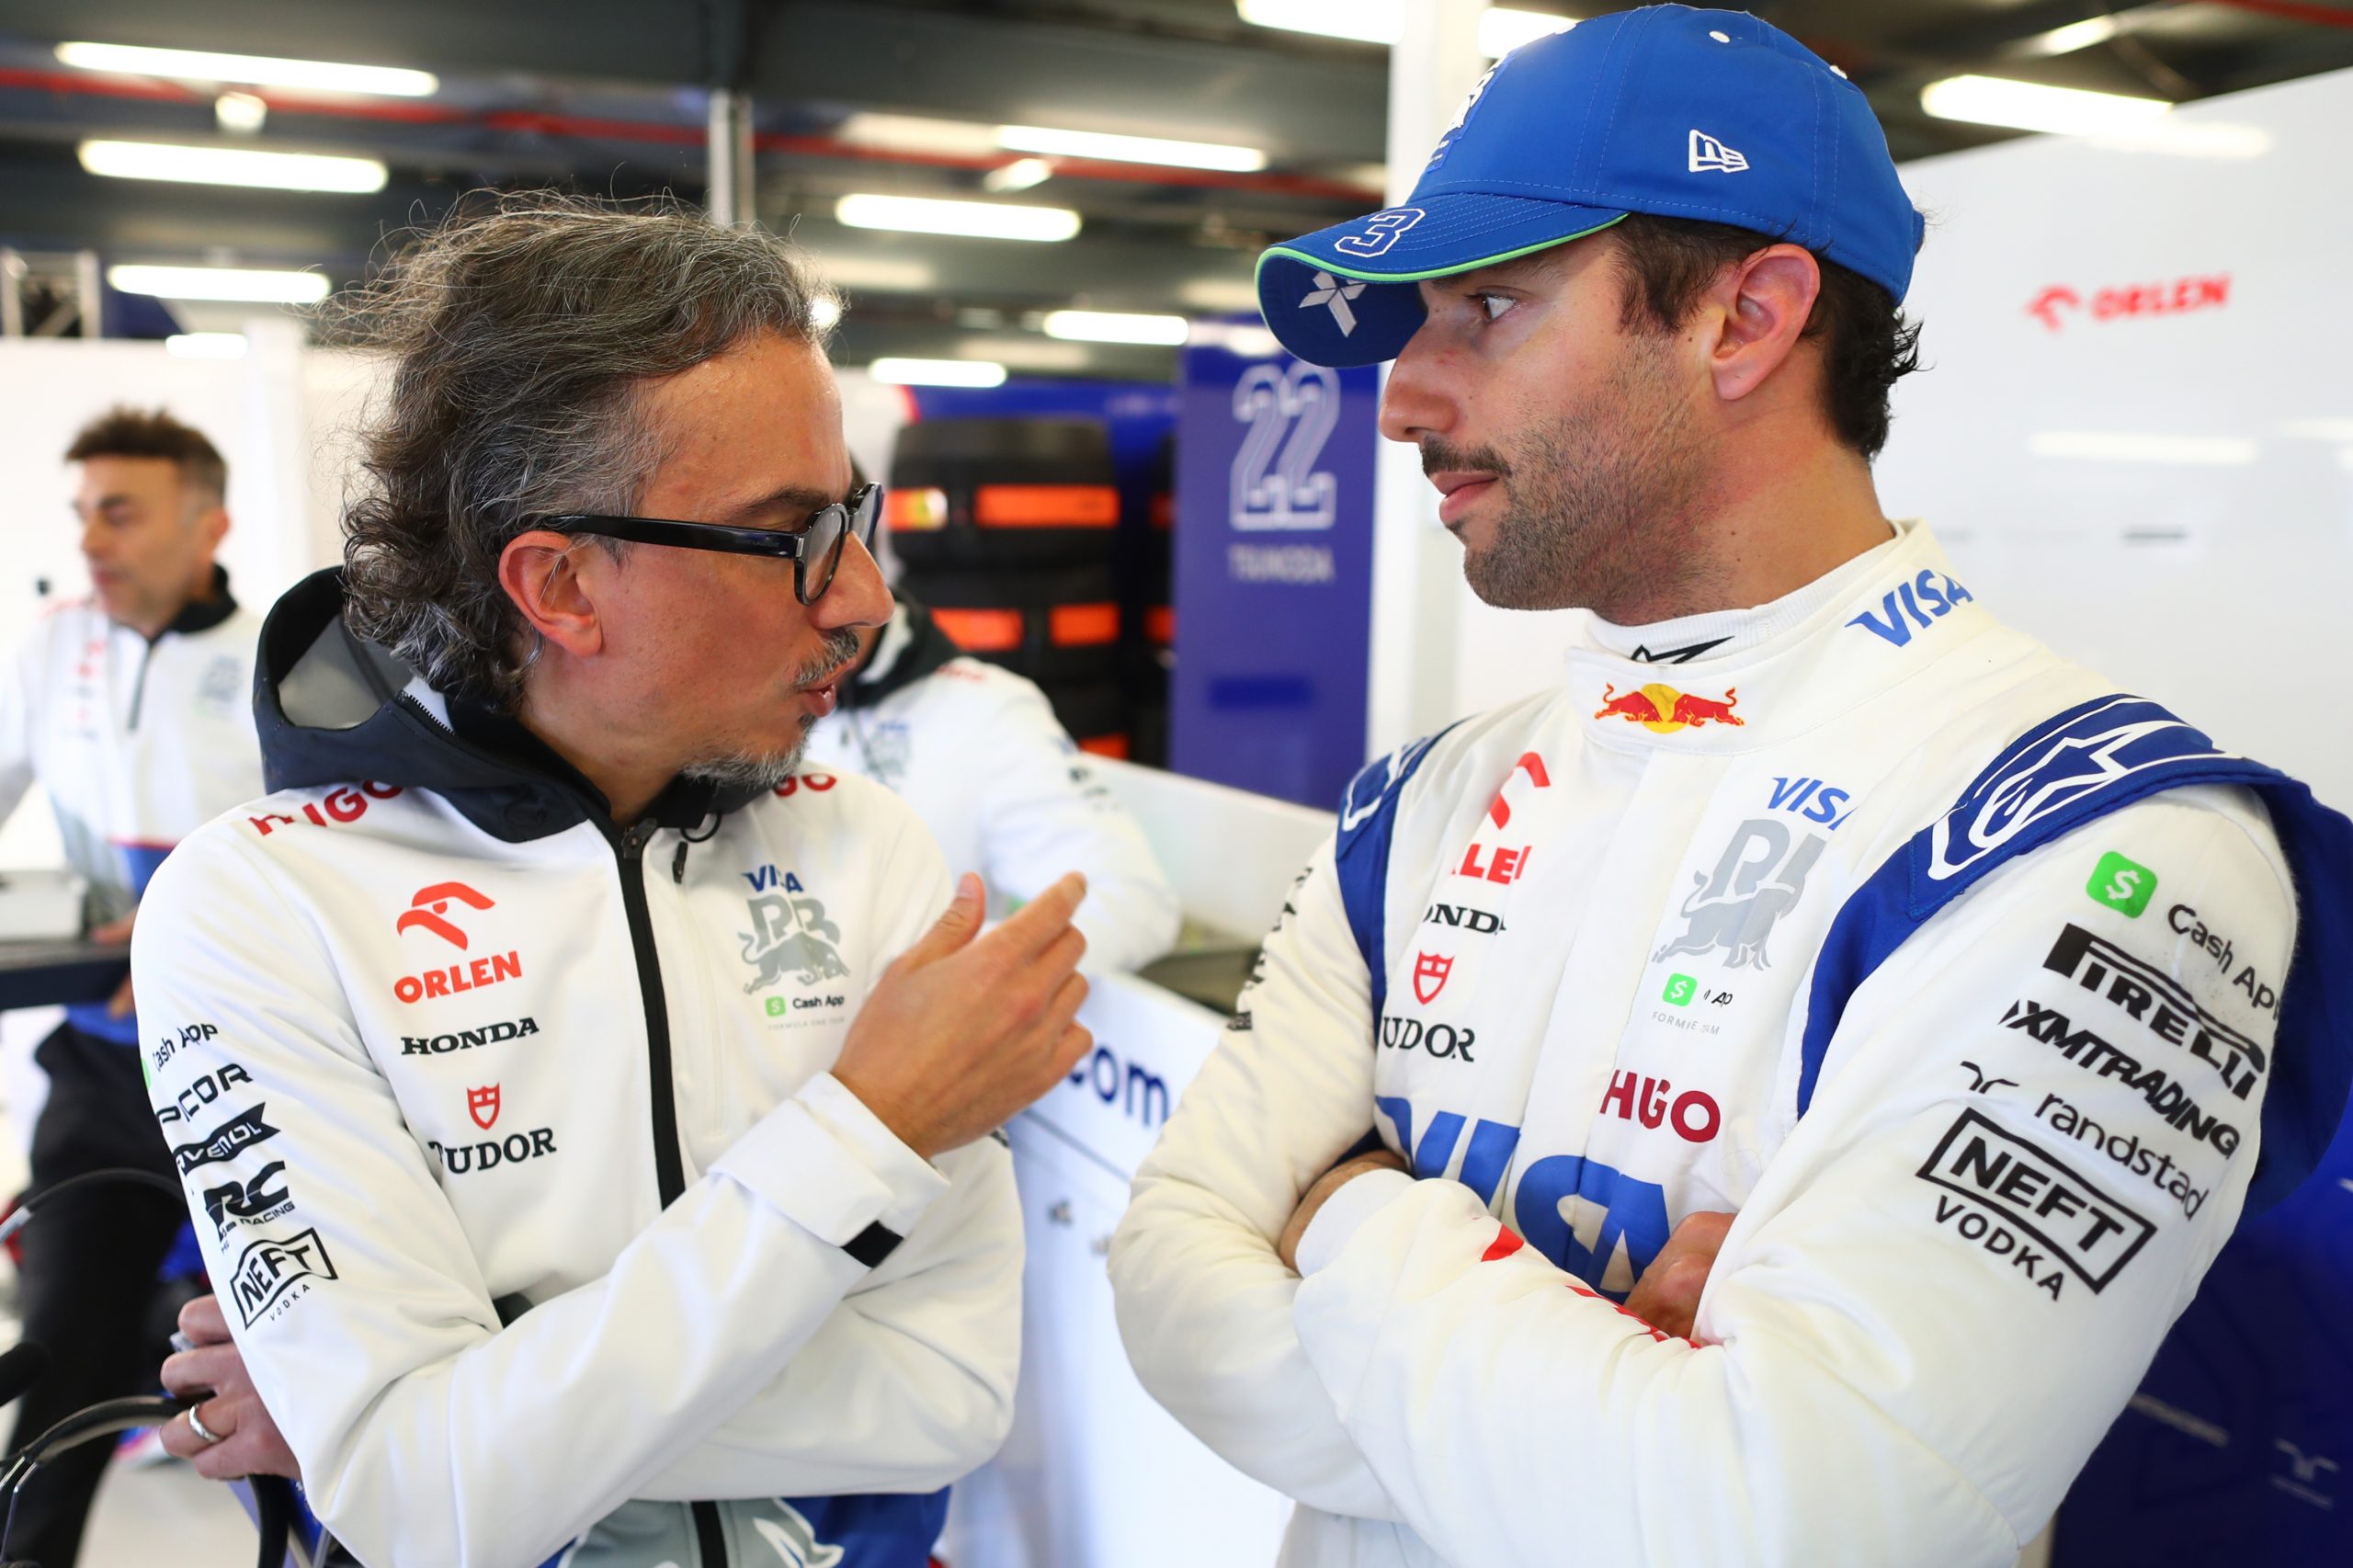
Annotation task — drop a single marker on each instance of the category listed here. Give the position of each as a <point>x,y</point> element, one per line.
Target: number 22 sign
<point>1275,485</point>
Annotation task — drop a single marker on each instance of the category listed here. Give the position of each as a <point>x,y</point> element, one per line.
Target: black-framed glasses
<point>815,550</point>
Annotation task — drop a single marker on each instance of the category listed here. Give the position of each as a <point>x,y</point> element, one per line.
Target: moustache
<point>840,648</point>
<point>1440,456</point>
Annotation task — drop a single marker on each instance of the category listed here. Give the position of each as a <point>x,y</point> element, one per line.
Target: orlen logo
<point>428,911</point>
<point>2053,305</point>
<point>338,805</point>
<point>818,782</point>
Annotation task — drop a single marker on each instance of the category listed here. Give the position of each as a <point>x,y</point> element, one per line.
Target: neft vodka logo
<point>789,934</point>
<point>2013,1198</point>
<point>1760,879</point>
<point>268,1270</point>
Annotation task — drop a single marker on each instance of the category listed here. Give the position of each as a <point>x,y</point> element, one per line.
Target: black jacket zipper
<point>669,1165</point>
<point>139,687</point>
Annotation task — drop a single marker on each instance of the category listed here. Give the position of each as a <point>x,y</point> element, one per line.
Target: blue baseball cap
<point>1681,113</point>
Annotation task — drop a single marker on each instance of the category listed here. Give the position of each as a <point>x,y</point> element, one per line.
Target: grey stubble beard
<point>765,769</point>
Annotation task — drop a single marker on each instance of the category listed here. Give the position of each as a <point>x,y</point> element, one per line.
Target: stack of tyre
<point>1009,530</point>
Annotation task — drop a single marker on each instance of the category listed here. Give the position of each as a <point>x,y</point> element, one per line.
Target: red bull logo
<point>1662,709</point>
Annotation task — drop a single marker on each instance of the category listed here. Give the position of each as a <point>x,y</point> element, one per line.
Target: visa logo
<point>1812,800</point>
<point>767,878</point>
<point>1903,609</point>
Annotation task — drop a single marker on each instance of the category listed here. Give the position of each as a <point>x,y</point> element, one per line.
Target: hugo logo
<point>430,905</point>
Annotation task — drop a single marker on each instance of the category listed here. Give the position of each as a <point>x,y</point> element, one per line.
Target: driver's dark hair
<point>1866,345</point>
<point>521,332</point>
<point>124,432</point>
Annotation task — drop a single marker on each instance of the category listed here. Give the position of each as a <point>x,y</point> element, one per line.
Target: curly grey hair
<point>524,331</point>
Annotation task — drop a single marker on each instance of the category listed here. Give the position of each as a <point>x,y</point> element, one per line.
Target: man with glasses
<point>588,1107</point>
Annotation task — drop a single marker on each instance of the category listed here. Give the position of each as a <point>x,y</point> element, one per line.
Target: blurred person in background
<point>133,709</point>
<point>633,1100</point>
<point>1804,1063</point>
<point>976,750</point>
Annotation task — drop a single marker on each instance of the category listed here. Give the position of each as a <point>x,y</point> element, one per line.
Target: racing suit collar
<point>333,708</point>
<point>203,615</point>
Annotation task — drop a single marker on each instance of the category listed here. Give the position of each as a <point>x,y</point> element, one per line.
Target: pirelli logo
<point>2158,1003</point>
<point>2079,1226</point>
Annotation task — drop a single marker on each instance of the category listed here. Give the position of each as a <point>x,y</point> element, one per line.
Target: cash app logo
<point>1679,990</point>
<point>2123,885</point>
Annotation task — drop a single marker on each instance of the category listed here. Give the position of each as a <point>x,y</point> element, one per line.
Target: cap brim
<point>1347,295</point>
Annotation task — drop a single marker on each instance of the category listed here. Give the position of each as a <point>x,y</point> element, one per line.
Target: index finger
<point>203,1320</point>
<point>1033,927</point>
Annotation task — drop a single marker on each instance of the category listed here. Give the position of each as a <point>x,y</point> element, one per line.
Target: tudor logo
<point>482,1105</point>
<point>1429,976</point>
<point>430,905</point>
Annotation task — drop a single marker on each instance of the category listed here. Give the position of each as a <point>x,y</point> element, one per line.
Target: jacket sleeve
<point>909,1385</point>
<point>1044,812</point>
<point>428,1433</point>
<point>1944,1288</point>
<point>1204,1304</point>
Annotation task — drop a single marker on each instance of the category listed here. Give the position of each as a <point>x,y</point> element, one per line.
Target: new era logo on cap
<point>1707,152</point>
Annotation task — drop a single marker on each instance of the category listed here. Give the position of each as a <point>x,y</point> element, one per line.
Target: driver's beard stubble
<point>764,769</point>
<point>1603,505</point>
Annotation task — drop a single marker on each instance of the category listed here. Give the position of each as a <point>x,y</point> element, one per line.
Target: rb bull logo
<point>791,936</point>
<point>482,1105</point>
<point>1757,881</point>
<point>1662,709</point>
<point>1429,976</point>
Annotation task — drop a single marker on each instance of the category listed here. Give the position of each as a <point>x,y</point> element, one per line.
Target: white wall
<point>2167,496</point>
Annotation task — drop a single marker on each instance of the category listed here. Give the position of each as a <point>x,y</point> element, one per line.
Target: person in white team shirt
<point>1804,1062</point>
<point>977,752</point>
<point>627,1090</point>
<point>133,708</point>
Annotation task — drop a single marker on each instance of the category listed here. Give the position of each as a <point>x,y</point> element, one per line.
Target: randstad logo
<point>1662,709</point>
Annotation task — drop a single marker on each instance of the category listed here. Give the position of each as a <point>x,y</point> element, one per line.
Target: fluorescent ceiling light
<point>2029,106</point>
<point>247,285</point>
<point>1219,294</point>
<point>1115,326</point>
<point>1130,148</point>
<point>1248,342</point>
<point>231,165</point>
<point>1501,28</point>
<point>2067,39</point>
<point>2135,447</point>
<point>2319,429</point>
<point>206,346</point>
<point>1018,174</point>
<point>981,219</point>
<point>915,133</point>
<point>248,70</point>
<point>938,372</point>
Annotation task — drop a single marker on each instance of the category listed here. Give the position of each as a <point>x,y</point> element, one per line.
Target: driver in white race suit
<point>1966,1001</point>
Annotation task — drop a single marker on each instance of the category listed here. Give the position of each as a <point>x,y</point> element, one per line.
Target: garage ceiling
<point>610,95</point>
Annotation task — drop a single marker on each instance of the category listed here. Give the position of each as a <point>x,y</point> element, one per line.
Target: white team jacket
<point>1633,955</point>
<point>441,1048</point>
<point>137,743</point>
<point>977,753</point>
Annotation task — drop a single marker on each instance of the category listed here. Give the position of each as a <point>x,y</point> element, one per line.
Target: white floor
<point>166,1513</point>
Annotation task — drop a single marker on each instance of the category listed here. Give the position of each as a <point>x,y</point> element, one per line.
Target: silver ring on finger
<point>196,1425</point>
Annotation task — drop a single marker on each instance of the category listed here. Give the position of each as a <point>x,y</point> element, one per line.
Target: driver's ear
<point>540,571</point>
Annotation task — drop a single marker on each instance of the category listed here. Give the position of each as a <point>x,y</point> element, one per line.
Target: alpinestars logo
<point>430,905</point>
<point>1335,295</point>
<point>789,935</point>
<point>1710,154</point>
